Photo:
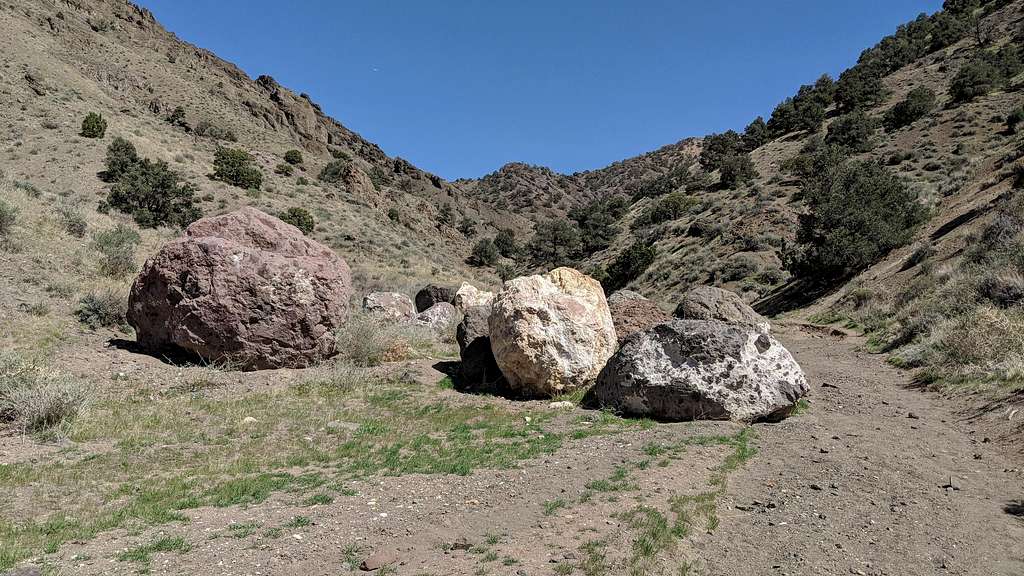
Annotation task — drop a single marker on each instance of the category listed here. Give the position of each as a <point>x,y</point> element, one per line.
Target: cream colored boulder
<point>468,296</point>
<point>551,333</point>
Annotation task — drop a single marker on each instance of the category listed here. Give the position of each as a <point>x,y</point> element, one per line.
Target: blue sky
<point>460,87</point>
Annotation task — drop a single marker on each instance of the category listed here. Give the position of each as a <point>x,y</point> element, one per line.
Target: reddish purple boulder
<point>243,287</point>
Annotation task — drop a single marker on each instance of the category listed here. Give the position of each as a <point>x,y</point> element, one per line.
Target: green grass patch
<point>175,452</point>
<point>143,554</point>
<point>553,506</point>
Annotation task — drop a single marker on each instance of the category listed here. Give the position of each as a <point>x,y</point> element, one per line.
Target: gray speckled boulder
<point>701,369</point>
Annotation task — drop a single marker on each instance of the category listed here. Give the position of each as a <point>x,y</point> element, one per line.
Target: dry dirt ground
<point>872,477</point>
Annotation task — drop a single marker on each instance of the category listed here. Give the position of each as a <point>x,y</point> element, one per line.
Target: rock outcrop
<point>701,369</point>
<point>389,306</point>
<point>710,303</point>
<point>551,333</point>
<point>432,294</point>
<point>631,313</point>
<point>243,287</point>
<point>468,296</point>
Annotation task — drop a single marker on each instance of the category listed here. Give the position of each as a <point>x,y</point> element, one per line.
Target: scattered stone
<point>243,287</point>
<point>631,313</point>
<point>551,333</point>
<point>249,420</point>
<point>563,405</point>
<point>431,295</point>
<point>24,571</point>
<point>378,560</point>
<point>389,306</point>
<point>913,416</point>
<point>710,303</point>
<point>468,296</point>
<point>701,369</point>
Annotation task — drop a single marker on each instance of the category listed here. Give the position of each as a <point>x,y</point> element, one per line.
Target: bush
<point>366,340</point>
<point>94,126</point>
<point>852,132</point>
<point>210,130</point>
<point>976,78</point>
<point>8,216</point>
<point>738,169</point>
<point>1013,119</point>
<point>117,246</point>
<point>36,398</point>
<point>484,253</point>
<point>756,134</point>
<point>394,215</point>
<point>177,118</point>
<point>150,192</point>
<point>293,157</point>
<point>859,87</point>
<point>121,156</point>
<point>717,147</point>
<point>598,222</point>
<point>73,221</point>
<point>284,169</point>
<point>857,213</point>
<point>467,227</point>
<point>104,309</point>
<point>629,265</point>
<point>555,243</point>
<point>505,242</point>
<point>334,171</point>
<point>669,207</point>
<point>300,218</point>
<point>919,103</point>
<point>236,167</point>
<point>445,215</point>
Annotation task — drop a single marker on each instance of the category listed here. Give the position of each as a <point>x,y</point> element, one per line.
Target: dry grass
<point>366,340</point>
<point>35,398</point>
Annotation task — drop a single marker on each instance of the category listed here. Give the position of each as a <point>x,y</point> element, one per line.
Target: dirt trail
<point>860,484</point>
<point>875,479</point>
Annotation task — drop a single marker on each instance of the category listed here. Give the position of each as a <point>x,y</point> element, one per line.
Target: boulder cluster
<point>247,288</point>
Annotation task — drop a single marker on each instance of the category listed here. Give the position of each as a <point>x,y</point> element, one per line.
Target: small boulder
<point>243,287</point>
<point>701,369</point>
<point>389,306</point>
<point>432,294</point>
<point>440,317</point>
<point>468,296</point>
<point>478,371</point>
<point>631,313</point>
<point>711,303</point>
<point>551,333</point>
<point>378,560</point>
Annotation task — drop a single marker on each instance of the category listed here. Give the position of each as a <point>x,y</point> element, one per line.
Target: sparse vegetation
<point>36,398</point>
<point>300,218</point>
<point>117,246</point>
<point>237,168</point>
<point>8,217</point>
<point>334,172</point>
<point>919,103</point>
<point>149,191</point>
<point>103,309</point>
<point>207,129</point>
<point>93,126</point>
<point>293,157</point>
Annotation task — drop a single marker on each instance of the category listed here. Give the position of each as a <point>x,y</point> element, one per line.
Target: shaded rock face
<point>551,333</point>
<point>432,294</point>
<point>710,303</point>
<point>243,287</point>
<point>631,313</point>
<point>701,369</point>
<point>468,296</point>
<point>440,317</point>
<point>478,370</point>
<point>389,306</point>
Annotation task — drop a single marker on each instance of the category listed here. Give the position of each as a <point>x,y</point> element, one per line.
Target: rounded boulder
<point>245,288</point>
<point>701,369</point>
<point>551,333</point>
